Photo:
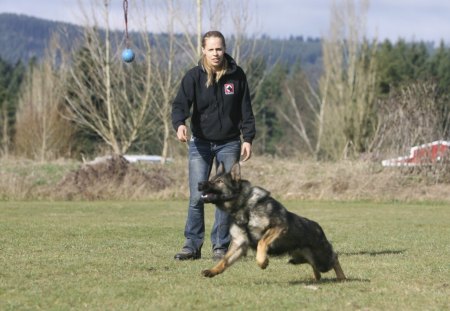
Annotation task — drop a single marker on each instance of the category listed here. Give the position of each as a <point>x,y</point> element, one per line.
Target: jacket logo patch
<point>229,88</point>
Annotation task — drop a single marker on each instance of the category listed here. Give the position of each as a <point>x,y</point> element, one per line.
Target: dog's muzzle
<point>211,196</point>
<point>207,195</point>
<point>203,186</point>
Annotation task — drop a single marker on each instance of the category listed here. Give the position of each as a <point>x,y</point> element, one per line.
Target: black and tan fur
<point>264,224</point>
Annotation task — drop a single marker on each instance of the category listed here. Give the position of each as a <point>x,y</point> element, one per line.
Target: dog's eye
<point>219,181</point>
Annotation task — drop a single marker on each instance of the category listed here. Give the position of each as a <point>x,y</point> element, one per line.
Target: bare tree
<point>41,131</point>
<point>167,76</point>
<point>199,26</point>
<point>178,49</point>
<point>348,83</point>
<point>343,107</point>
<point>190,26</point>
<point>106,96</point>
<point>172,54</point>
<point>175,54</point>
<point>409,116</point>
<point>297,120</point>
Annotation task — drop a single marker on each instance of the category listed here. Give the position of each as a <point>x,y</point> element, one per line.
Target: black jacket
<point>220,112</point>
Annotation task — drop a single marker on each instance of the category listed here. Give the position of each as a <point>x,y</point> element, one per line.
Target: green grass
<point>119,256</point>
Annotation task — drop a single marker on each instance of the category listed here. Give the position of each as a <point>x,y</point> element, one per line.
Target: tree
<point>108,97</point>
<point>410,116</point>
<point>302,110</point>
<point>388,73</point>
<point>400,64</point>
<point>408,72</point>
<point>11,77</point>
<point>341,113</point>
<point>266,105</point>
<point>118,104</point>
<point>439,67</point>
<point>171,53</point>
<point>174,54</point>
<point>440,72</point>
<point>348,84</point>
<point>41,131</point>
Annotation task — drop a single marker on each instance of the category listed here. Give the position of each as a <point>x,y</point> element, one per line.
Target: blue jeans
<point>201,156</point>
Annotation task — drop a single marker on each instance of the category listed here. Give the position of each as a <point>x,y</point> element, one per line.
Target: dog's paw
<point>208,273</point>
<point>263,264</point>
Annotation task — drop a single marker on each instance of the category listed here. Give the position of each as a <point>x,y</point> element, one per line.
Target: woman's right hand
<point>182,133</point>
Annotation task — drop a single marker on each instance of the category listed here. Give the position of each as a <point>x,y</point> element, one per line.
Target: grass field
<point>119,256</point>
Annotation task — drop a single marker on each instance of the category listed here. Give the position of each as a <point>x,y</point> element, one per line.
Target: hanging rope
<point>125,13</point>
<point>127,54</point>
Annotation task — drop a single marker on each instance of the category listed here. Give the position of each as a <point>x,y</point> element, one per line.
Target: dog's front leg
<point>234,253</point>
<point>238,247</point>
<point>261,252</point>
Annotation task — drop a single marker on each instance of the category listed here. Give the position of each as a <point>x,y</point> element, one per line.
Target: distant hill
<point>23,37</point>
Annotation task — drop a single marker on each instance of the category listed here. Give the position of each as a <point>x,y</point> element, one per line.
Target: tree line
<point>409,104</point>
<point>366,98</point>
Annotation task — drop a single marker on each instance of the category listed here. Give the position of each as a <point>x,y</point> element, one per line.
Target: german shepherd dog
<point>264,224</point>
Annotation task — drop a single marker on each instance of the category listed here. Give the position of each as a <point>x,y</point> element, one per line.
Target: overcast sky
<point>412,20</point>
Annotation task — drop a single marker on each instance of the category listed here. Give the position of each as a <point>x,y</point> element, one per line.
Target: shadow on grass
<point>325,281</point>
<point>374,253</point>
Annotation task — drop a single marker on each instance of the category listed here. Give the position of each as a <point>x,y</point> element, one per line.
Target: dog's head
<point>223,187</point>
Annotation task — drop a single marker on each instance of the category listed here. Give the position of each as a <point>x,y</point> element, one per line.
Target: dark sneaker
<point>188,254</point>
<point>218,254</point>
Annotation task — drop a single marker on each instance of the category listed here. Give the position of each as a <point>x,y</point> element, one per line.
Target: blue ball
<point>127,55</point>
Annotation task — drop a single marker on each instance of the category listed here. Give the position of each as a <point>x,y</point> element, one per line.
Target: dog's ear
<point>236,171</point>
<point>220,169</point>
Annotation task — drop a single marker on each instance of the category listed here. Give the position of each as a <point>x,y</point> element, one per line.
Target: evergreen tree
<point>417,57</point>
<point>439,67</point>
<point>268,96</point>
<point>400,64</point>
<point>11,77</point>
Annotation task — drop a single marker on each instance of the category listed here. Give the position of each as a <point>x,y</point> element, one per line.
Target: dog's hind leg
<point>234,253</point>
<point>304,255</point>
<point>297,257</point>
<point>338,270</point>
<point>261,252</point>
<point>317,275</point>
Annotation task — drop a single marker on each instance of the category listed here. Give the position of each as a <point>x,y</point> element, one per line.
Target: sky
<point>411,20</point>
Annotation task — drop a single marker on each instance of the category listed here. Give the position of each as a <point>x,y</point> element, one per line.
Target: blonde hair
<point>214,76</point>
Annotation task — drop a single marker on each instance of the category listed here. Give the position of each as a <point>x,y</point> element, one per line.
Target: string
<point>125,13</point>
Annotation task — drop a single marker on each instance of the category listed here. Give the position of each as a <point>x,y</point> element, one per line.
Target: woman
<point>216,91</point>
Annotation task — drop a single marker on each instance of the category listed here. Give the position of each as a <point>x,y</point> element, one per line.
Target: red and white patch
<point>229,88</point>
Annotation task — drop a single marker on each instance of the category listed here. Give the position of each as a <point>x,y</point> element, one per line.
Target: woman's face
<point>214,52</point>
